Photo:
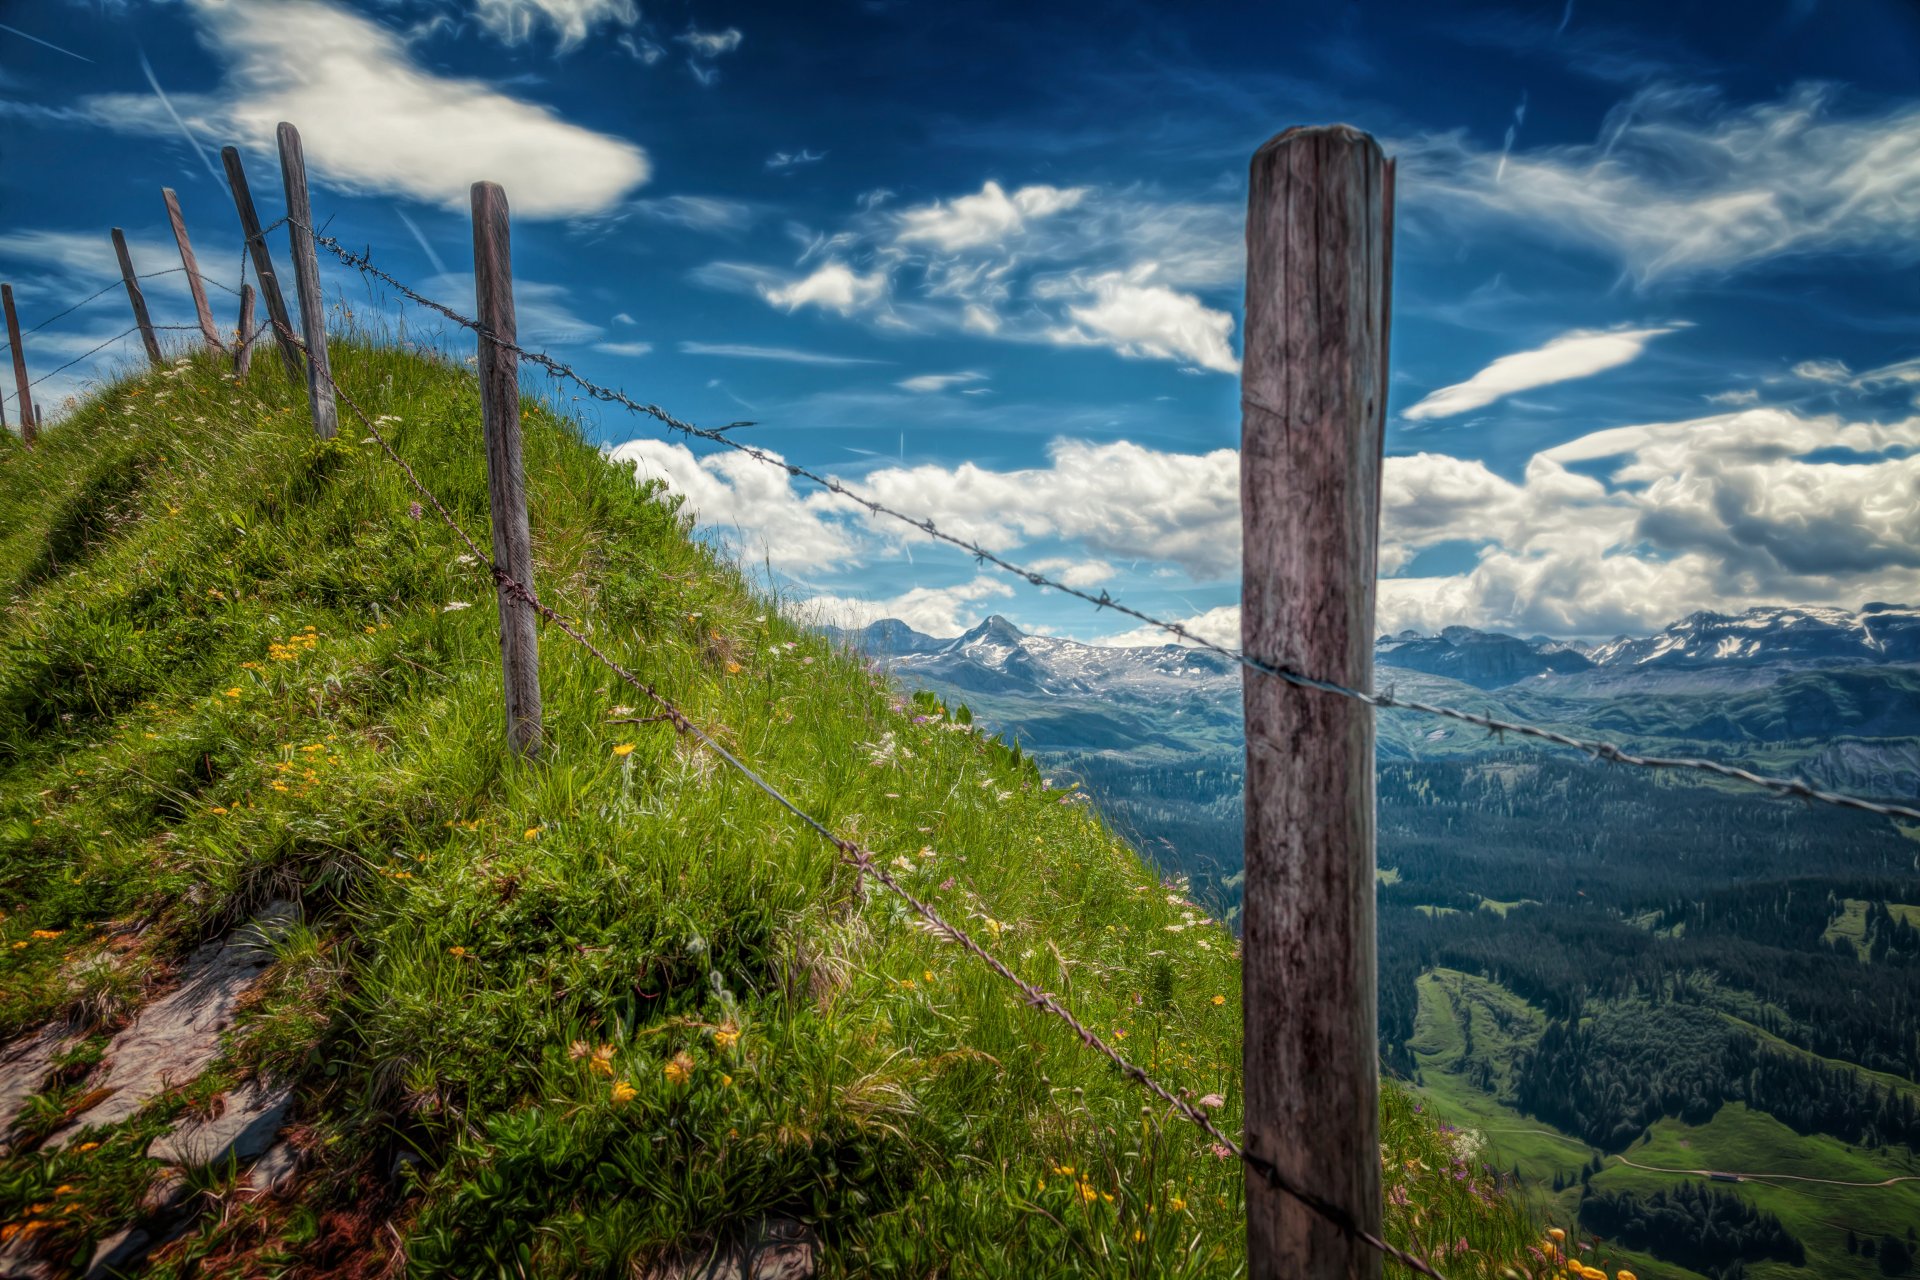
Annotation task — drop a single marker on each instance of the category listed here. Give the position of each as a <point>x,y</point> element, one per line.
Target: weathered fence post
<point>306,283</point>
<point>137,298</point>
<point>243,344</point>
<point>200,308</point>
<point>262,261</point>
<point>1313,391</point>
<point>29,422</point>
<point>506,479</point>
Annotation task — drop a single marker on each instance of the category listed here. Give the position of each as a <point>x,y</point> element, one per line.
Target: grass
<point>575,1015</point>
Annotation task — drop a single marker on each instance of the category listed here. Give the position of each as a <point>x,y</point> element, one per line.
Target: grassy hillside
<point>574,1016</point>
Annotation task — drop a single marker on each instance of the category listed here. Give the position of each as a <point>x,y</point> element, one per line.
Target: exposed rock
<point>24,1070</point>
<point>776,1249</point>
<point>272,1172</point>
<point>117,1251</point>
<point>167,1192</point>
<point>248,1122</point>
<point>172,1040</point>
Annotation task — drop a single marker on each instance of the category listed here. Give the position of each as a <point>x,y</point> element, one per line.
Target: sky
<point>1656,324</point>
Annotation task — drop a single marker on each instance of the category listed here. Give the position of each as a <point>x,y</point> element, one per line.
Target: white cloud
<point>747,351</point>
<point>750,500</point>
<point>940,381</point>
<point>1137,318</point>
<point>623,348</point>
<point>835,287</point>
<point>1078,574</point>
<point>1836,372</point>
<point>697,213</point>
<point>936,611</point>
<point>1679,183</point>
<point>794,159</point>
<point>711,44</point>
<point>1220,626</point>
<point>373,119</point>
<point>1744,396</point>
<point>513,21</point>
<point>1579,354</point>
<point>990,217</point>
<point>1823,371</point>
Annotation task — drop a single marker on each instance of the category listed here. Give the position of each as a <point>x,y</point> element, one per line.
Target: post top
<point>1344,135</point>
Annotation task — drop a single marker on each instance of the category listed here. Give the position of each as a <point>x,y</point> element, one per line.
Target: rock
<point>117,1251</point>
<point>24,1070</point>
<point>248,1122</point>
<point>172,1040</point>
<point>272,1173</point>
<point>775,1249</point>
<point>167,1192</point>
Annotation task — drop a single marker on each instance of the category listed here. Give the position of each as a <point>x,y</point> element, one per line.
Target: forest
<point>1708,1231</point>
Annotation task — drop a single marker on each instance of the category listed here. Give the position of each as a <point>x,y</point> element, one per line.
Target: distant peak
<point>997,629</point>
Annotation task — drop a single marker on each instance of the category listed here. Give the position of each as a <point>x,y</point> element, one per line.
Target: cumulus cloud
<point>1579,354</point>
<point>1680,183</point>
<point>834,287</point>
<point>1134,317</point>
<point>936,611</point>
<point>1219,626</point>
<point>373,119</point>
<point>989,217</point>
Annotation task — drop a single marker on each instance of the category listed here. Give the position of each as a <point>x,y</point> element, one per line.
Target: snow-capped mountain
<point>1808,637</point>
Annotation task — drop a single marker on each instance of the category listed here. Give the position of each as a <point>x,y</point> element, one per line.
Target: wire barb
<point>1612,752</point>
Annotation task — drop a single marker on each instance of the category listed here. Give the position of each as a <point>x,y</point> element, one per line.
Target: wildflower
<point>1213,1102</point>
<point>234,692</point>
<point>85,1147</point>
<point>454,606</point>
<point>1088,1193</point>
<point>218,810</point>
<point>928,976</point>
<point>725,1037</point>
<point>1219,999</point>
<point>415,511</point>
<point>623,1092</point>
<point>679,1070</point>
<point>47,933</point>
<point>1065,1170</point>
<point>1176,1204</point>
<point>456,951</point>
<point>726,1081</point>
<point>1220,1151</point>
<point>733,668</point>
<point>533,833</point>
<point>602,1060</point>
<point>624,749</point>
<point>579,1049</point>
<point>1557,1234</point>
<point>1625,1275</point>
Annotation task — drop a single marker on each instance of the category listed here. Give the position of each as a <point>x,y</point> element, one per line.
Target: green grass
<point>564,1017</point>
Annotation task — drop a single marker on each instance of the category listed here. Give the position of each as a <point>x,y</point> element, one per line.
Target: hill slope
<point>584,1016</point>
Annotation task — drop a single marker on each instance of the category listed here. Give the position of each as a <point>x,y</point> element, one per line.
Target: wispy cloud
<point>48,43</point>
<point>746,351</point>
<point>794,159</point>
<point>514,21</point>
<point>711,44</point>
<point>146,69</point>
<point>940,381</point>
<point>628,349</point>
<point>1579,354</point>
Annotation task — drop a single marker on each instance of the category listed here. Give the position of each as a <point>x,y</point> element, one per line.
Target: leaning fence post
<point>134,296</point>
<point>1313,391</point>
<point>262,261</point>
<point>306,282</point>
<point>506,479</point>
<point>243,343</point>
<point>29,421</point>
<point>200,308</point>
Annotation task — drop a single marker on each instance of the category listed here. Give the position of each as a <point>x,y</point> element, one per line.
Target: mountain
<point>1486,660</point>
<point>1774,635</point>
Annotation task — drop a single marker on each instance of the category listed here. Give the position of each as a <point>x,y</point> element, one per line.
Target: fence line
<point>867,863</point>
<point>1796,788</point>
<point>127,332</point>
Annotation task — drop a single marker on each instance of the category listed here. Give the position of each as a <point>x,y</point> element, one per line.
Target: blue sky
<point>1656,343</point>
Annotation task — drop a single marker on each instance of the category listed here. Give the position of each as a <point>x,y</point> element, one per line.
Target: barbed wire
<point>124,333</point>
<point>61,315</point>
<point>864,861</point>
<point>1601,749</point>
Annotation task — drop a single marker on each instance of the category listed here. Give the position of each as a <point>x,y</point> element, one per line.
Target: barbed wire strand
<point>1796,788</point>
<point>866,863</point>
<point>61,315</point>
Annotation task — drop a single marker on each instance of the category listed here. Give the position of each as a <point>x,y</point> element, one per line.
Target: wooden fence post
<point>200,308</point>
<point>1313,392</point>
<point>306,283</point>
<point>262,261</point>
<point>243,344</point>
<point>506,478</point>
<point>29,422</point>
<point>137,298</point>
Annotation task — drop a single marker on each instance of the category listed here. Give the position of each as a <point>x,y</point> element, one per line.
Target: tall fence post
<point>306,282</point>
<point>506,478</point>
<point>1313,391</point>
<point>187,261</point>
<point>243,342</point>
<point>134,296</point>
<point>29,421</point>
<point>262,261</point>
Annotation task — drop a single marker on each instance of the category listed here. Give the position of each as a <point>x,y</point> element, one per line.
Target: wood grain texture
<point>201,310</point>
<point>306,284</point>
<point>29,422</point>
<point>506,479</point>
<point>262,261</point>
<point>134,296</point>
<point>1313,389</point>
<point>243,334</point>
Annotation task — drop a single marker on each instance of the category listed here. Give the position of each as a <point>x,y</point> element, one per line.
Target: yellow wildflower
<point>1219,999</point>
<point>623,1092</point>
<point>533,833</point>
<point>1176,1204</point>
<point>602,1060</point>
<point>47,933</point>
<point>456,951</point>
<point>85,1147</point>
<point>1064,1169</point>
<point>234,692</point>
<point>726,1080</point>
<point>724,1037</point>
<point>679,1070</point>
<point>218,809</point>
<point>624,749</point>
